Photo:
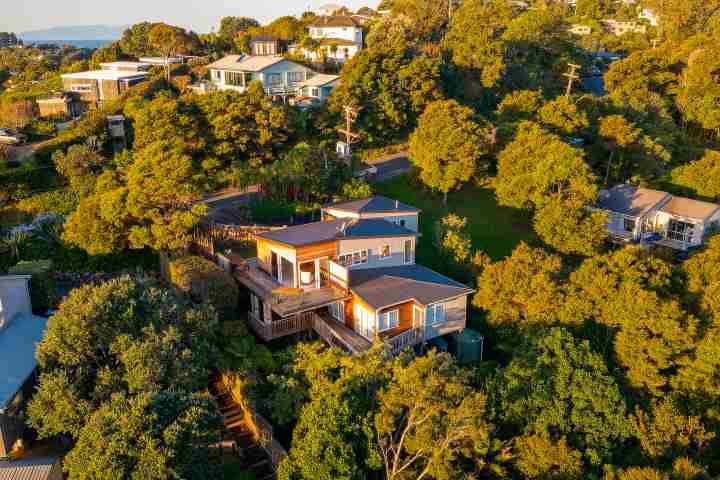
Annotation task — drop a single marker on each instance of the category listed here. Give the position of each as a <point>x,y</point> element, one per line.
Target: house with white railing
<point>651,216</point>
<point>352,278</point>
<point>280,77</point>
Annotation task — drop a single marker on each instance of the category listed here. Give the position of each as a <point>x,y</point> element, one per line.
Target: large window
<point>273,79</point>
<point>408,251</point>
<point>435,314</point>
<point>355,258</point>
<point>389,320</point>
<point>234,78</point>
<point>295,77</point>
<point>364,322</point>
<point>680,231</point>
<point>81,88</point>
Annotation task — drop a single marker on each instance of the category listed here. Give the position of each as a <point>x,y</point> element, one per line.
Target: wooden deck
<point>283,302</point>
<point>340,335</point>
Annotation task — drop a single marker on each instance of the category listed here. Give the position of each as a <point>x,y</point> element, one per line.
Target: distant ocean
<point>75,43</point>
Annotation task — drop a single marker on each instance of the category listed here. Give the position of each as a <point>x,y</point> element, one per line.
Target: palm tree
<point>14,244</point>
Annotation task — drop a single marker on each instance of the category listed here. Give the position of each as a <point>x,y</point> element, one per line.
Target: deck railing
<point>405,340</point>
<point>328,334</point>
<point>282,327</point>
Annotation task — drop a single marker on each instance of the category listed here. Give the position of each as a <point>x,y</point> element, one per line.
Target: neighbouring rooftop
<point>383,287</point>
<point>334,21</point>
<point>246,63</point>
<point>374,204</point>
<point>105,75</point>
<point>686,207</point>
<point>31,469</point>
<point>630,200</point>
<point>319,80</point>
<point>319,232</point>
<point>18,341</point>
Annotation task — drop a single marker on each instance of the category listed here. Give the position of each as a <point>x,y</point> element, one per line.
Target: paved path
<point>389,166</point>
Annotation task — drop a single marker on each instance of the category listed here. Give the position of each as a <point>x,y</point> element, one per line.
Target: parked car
<point>8,137</point>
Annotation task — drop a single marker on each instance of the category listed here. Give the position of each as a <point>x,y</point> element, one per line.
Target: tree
<point>563,116</point>
<point>231,27</point>
<point>702,176</point>
<point>697,382</point>
<point>80,165</point>
<point>428,17</point>
<point>447,146</point>
<point>428,418</point>
<point>135,41</point>
<point>16,113</point>
<point>570,228</point>
<point>452,239</point>
<point>475,38</point>
<point>356,188</point>
<point>702,272</point>
<point>121,337</point>
<point>205,282</point>
<point>521,291</point>
<point>538,456</point>
<point>169,41</point>
<point>109,53</point>
<point>156,436</point>
<point>560,385</point>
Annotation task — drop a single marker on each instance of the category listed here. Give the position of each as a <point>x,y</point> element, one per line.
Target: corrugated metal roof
<point>374,204</point>
<point>631,200</point>
<point>319,80</point>
<point>336,230</point>
<point>31,469</point>
<point>17,353</point>
<point>246,63</point>
<point>686,207</point>
<point>383,287</point>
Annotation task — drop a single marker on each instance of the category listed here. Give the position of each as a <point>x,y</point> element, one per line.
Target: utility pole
<point>572,76</point>
<point>351,115</point>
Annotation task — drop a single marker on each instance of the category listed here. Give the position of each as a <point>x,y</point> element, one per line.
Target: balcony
<point>283,301</point>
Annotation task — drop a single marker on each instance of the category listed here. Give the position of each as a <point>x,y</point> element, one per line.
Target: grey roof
<point>246,63</point>
<point>30,469</point>
<point>319,80</point>
<point>383,287</point>
<point>631,200</point>
<point>374,204</point>
<point>334,21</point>
<point>317,232</point>
<point>686,207</point>
<point>17,353</point>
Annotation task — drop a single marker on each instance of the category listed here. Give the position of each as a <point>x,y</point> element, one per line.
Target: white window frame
<point>411,253</point>
<point>81,88</point>
<point>361,313</point>
<point>381,255</point>
<point>432,314</point>
<point>338,314</point>
<point>386,315</point>
<point>364,258</point>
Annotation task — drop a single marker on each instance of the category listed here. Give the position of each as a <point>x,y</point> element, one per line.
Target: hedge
<point>203,281</point>
<point>43,290</point>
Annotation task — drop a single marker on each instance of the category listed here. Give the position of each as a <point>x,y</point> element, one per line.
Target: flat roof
<point>319,80</point>
<point>384,287</point>
<point>630,200</point>
<point>18,341</point>
<point>125,63</point>
<point>105,75</point>
<point>340,229</point>
<point>687,207</point>
<point>374,204</point>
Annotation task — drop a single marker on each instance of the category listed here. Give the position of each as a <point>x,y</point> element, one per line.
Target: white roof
<point>104,75</point>
<point>122,64</point>
<point>246,63</point>
<point>319,80</point>
<point>161,60</point>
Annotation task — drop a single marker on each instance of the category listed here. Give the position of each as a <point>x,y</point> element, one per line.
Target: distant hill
<point>80,32</point>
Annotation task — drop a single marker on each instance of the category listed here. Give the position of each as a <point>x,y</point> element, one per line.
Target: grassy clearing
<point>494,229</point>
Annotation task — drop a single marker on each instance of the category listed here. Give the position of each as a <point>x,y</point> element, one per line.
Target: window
<point>385,252</point>
<point>680,231</point>
<point>355,258</point>
<point>345,260</point>
<point>337,311</point>
<point>81,88</point>
<point>234,78</point>
<point>408,251</point>
<point>435,314</point>
<point>295,77</point>
<point>389,320</point>
<point>273,78</point>
<point>629,225</point>
<point>315,92</point>
<point>364,322</point>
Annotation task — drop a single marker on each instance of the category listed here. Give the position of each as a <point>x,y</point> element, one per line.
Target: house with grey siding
<point>353,279</point>
<point>20,332</point>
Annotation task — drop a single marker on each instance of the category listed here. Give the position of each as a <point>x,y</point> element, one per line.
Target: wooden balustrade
<point>405,340</point>
<point>282,327</point>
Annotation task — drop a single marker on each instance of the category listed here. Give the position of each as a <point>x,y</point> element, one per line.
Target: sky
<point>198,15</point>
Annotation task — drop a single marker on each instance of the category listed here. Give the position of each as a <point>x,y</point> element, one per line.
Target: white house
<point>640,214</point>
<point>318,87</point>
<point>339,38</point>
<point>279,77</point>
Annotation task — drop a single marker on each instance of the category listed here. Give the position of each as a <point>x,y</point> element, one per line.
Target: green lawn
<point>494,229</point>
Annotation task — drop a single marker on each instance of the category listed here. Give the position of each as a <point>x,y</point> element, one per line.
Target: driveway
<point>388,166</point>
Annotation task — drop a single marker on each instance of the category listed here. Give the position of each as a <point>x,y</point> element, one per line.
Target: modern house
<point>651,216</point>
<point>98,86</point>
<point>279,77</point>
<point>59,105</point>
<point>339,38</point>
<point>352,278</point>
<point>20,331</point>
<point>125,66</point>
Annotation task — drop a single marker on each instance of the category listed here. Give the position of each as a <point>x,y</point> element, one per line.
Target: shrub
<point>43,292</point>
<point>61,202</point>
<point>204,281</point>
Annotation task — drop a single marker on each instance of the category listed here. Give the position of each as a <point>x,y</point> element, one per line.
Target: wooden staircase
<point>252,455</point>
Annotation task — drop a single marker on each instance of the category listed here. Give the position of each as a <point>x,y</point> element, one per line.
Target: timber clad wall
<point>319,250</point>
<point>397,256</point>
<point>405,312</point>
